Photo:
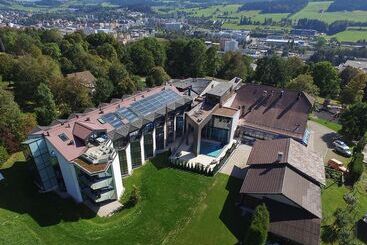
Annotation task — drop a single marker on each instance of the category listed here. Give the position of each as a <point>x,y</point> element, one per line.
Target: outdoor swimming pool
<point>211,148</point>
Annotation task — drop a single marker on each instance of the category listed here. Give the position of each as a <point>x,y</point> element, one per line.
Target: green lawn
<point>332,125</point>
<point>175,207</point>
<point>332,198</point>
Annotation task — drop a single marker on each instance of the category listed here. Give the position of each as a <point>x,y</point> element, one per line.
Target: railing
<point>100,196</point>
<point>97,183</point>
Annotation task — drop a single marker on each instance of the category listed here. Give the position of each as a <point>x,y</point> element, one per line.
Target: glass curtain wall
<point>148,140</point>
<point>160,133</point>
<point>179,125</point>
<point>170,128</point>
<point>120,147</point>
<point>135,149</point>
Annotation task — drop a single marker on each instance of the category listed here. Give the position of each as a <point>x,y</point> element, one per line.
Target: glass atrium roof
<point>141,108</point>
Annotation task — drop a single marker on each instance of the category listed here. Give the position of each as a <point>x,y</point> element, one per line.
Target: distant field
<point>316,10</point>
<point>226,12</point>
<point>352,35</point>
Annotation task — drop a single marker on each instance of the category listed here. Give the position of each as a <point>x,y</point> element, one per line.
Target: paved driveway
<point>321,140</point>
<point>237,162</point>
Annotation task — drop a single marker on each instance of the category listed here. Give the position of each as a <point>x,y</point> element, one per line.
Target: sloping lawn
<point>175,207</point>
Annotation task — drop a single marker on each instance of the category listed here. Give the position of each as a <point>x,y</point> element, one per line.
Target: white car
<point>341,144</point>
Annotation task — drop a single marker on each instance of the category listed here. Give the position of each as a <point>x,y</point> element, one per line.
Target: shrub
<point>361,144</point>
<point>3,155</point>
<point>134,198</point>
<point>356,168</point>
<point>258,230</point>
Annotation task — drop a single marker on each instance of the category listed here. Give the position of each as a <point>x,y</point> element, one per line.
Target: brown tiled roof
<point>295,154</point>
<point>86,77</point>
<point>277,179</point>
<point>289,223</point>
<point>89,167</point>
<point>277,110</point>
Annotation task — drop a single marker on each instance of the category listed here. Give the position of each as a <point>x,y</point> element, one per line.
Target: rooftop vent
<point>87,119</point>
<point>71,142</point>
<point>299,96</point>
<point>281,93</point>
<point>280,156</point>
<point>68,126</point>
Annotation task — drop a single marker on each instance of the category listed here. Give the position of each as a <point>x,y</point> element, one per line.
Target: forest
<point>279,6</point>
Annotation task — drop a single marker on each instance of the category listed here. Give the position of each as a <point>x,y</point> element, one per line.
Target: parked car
<point>337,165</point>
<point>342,148</point>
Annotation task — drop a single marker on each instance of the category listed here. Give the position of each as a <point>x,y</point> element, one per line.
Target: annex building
<point>199,120</point>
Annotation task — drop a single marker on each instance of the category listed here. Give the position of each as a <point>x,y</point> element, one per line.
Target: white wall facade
<point>68,174</point>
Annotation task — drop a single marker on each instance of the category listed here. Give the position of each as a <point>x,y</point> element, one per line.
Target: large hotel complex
<point>200,121</point>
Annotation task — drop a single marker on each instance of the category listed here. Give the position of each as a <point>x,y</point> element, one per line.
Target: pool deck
<point>236,164</point>
<point>190,159</point>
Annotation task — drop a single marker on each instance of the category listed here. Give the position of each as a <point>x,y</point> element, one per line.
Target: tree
<point>46,110</point>
<point>354,90</point>
<point>142,60</point>
<point>28,73</point>
<point>234,65</point>
<point>354,121</point>
<point>122,82</point>
<point>70,95</point>
<point>52,49</point>
<point>157,76</point>
<point>326,78</point>
<point>104,90</point>
<point>6,66</point>
<point>14,125</point>
<point>295,67</point>
<point>212,61</point>
<point>303,82</point>
<point>175,61</point>
<point>107,51</point>
<point>356,168</point>
<point>347,75</point>
<point>271,71</point>
<point>258,230</point>
<point>194,58</point>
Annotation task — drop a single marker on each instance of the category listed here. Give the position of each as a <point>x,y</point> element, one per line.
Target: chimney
<point>281,93</point>
<point>280,156</point>
<point>87,119</point>
<point>265,93</point>
<point>71,142</point>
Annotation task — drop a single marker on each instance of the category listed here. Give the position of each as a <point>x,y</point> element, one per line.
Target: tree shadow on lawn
<point>231,214</point>
<point>19,194</point>
<point>161,161</point>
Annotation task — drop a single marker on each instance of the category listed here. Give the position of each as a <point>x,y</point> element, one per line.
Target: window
<point>63,137</point>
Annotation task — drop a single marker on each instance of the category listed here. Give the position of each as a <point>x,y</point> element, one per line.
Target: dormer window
<point>63,137</point>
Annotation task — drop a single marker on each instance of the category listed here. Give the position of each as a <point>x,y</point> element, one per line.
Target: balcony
<point>100,195</point>
<point>96,183</point>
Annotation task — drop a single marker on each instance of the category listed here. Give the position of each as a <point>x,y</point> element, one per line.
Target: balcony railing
<point>97,183</point>
<point>100,196</point>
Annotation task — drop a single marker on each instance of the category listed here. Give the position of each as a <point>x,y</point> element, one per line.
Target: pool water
<point>211,148</point>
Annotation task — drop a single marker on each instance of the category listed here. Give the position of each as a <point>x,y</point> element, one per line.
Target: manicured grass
<point>235,26</point>
<point>332,125</point>
<point>172,203</point>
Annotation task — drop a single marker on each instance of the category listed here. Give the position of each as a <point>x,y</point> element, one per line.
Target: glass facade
<point>159,134</point>
<point>123,162</point>
<point>179,125</point>
<point>43,167</point>
<point>217,129</point>
<point>148,140</point>
<point>135,153</point>
<point>170,128</point>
